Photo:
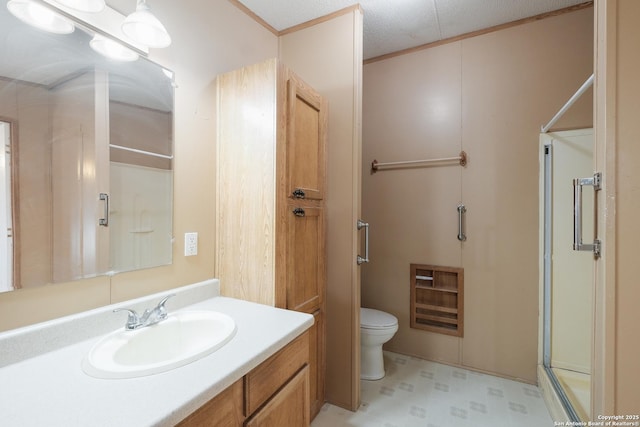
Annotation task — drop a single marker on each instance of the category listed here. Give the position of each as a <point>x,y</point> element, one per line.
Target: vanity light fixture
<point>144,28</point>
<point>112,49</point>
<point>89,6</point>
<point>39,16</point>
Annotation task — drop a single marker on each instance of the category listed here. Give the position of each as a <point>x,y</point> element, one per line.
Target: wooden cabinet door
<point>266,379</point>
<point>316,363</point>
<point>287,408</point>
<point>224,410</point>
<point>306,141</point>
<point>305,258</point>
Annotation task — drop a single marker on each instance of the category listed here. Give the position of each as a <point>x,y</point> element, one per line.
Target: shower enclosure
<point>567,220</point>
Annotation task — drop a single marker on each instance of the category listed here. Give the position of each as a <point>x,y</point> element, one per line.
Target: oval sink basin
<point>180,339</point>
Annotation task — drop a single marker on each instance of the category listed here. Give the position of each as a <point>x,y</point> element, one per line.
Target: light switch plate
<point>190,244</point>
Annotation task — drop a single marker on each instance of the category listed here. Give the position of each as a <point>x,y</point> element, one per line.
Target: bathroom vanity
<point>260,377</point>
<point>276,393</point>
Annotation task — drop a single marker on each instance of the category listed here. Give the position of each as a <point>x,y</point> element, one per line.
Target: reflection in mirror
<point>86,186</point>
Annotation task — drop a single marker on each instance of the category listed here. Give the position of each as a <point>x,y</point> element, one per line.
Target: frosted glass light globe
<point>40,16</point>
<point>144,28</point>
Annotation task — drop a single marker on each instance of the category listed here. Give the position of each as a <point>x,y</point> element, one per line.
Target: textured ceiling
<point>393,25</point>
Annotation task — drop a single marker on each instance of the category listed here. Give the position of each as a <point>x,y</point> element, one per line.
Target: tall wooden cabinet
<point>271,196</point>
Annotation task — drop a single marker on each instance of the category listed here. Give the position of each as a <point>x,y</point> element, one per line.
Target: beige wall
<point>208,38</point>
<point>487,95</point>
<point>328,56</point>
<point>616,383</point>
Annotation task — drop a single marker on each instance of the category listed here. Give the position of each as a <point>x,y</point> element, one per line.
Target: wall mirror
<point>86,180</point>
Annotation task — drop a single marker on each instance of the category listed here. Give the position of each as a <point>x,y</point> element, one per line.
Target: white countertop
<point>51,389</point>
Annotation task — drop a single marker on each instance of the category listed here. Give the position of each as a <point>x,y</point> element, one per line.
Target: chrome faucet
<point>148,318</point>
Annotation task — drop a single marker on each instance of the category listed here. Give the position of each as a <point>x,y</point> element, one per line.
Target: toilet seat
<point>376,319</point>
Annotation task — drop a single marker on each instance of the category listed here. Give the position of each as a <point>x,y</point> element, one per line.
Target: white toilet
<point>376,328</point>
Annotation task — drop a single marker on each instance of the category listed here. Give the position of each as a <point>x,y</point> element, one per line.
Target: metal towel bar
<point>461,159</point>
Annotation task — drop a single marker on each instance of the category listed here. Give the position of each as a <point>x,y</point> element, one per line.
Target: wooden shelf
<point>437,299</point>
<point>450,320</point>
<point>436,308</point>
<point>431,288</point>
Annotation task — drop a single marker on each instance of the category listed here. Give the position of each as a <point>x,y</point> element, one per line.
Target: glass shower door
<point>568,273</point>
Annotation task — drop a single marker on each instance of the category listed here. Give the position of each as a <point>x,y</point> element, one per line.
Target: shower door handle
<point>104,221</point>
<point>578,183</point>
<point>361,224</point>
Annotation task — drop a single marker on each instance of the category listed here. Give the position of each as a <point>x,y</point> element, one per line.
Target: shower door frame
<point>547,242</point>
<point>547,156</point>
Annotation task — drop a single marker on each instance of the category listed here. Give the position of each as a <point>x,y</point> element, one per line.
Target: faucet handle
<point>161,309</point>
<point>164,300</point>
<point>133,320</point>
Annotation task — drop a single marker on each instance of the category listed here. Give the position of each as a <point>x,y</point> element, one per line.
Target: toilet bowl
<point>376,328</point>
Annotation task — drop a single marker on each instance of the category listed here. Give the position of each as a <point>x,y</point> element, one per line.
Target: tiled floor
<point>419,393</point>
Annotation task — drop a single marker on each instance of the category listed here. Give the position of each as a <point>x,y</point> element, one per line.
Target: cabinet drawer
<point>289,407</point>
<point>224,410</point>
<point>266,379</point>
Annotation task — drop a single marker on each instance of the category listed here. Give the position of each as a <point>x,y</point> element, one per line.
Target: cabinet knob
<point>298,193</point>
<point>299,212</point>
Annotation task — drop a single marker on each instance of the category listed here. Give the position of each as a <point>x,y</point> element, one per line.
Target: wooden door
<point>316,363</point>
<point>306,140</point>
<point>305,258</point>
<point>287,408</point>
